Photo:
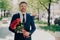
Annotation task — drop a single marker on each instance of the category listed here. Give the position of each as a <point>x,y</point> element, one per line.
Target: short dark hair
<point>23,2</point>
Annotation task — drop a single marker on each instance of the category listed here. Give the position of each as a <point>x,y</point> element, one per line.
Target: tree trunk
<point>49,12</point>
<point>38,14</point>
<point>1,15</point>
<point>48,17</point>
<point>4,13</point>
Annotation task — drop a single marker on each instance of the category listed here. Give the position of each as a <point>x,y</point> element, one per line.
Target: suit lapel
<point>26,18</point>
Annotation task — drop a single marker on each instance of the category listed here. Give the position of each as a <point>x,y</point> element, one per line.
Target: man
<point>29,25</point>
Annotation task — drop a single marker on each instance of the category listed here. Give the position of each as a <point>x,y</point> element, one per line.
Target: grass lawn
<point>43,25</point>
<point>40,22</point>
<point>2,17</point>
<point>53,28</point>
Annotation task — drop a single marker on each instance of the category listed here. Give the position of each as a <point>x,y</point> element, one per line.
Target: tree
<point>4,5</point>
<point>43,5</point>
<point>48,8</point>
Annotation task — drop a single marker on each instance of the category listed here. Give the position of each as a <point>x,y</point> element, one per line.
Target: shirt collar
<point>22,16</point>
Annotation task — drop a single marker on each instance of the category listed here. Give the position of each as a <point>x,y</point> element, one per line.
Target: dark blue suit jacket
<point>29,23</point>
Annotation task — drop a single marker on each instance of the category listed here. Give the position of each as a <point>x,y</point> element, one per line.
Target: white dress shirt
<point>21,16</point>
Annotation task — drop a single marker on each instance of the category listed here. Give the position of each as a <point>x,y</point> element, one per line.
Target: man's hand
<point>25,33</point>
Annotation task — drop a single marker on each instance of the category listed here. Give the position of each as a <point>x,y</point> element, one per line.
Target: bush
<point>57,21</point>
<point>40,22</point>
<point>0,18</point>
<point>51,28</point>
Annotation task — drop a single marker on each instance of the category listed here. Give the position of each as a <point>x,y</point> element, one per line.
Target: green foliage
<point>4,5</point>
<point>0,18</point>
<point>19,27</point>
<point>53,28</point>
<point>40,22</point>
<point>40,4</point>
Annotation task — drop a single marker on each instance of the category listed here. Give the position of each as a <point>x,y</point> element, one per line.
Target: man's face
<point>23,7</point>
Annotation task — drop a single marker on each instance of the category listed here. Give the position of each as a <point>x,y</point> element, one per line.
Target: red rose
<point>14,23</point>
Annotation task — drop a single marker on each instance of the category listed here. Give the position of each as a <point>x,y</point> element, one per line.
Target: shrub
<point>51,28</point>
<point>57,21</point>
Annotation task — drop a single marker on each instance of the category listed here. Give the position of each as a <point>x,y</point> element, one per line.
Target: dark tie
<point>23,19</point>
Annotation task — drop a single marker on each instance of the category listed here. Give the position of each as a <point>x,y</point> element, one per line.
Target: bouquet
<point>18,26</point>
<point>14,23</point>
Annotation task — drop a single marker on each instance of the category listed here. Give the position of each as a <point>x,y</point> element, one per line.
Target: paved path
<point>39,34</point>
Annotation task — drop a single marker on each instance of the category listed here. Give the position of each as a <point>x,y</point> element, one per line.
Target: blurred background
<point>46,17</point>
